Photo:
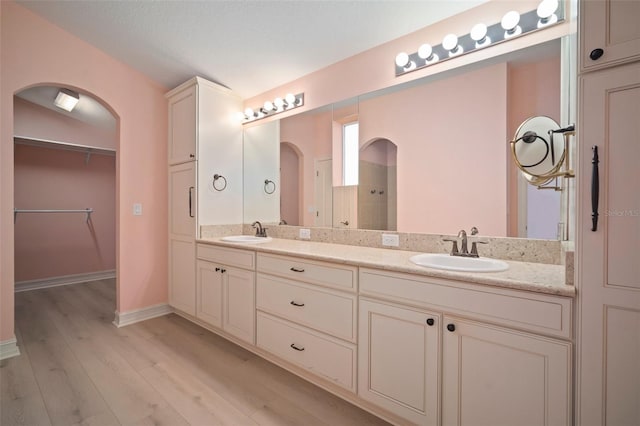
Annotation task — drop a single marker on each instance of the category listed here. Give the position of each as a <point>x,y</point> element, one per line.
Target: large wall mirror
<point>429,156</point>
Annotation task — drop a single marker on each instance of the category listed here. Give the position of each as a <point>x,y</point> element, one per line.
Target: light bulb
<point>249,113</point>
<point>426,52</point>
<point>291,99</point>
<point>279,103</point>
<point>242,116</point>
<point>479,35</point>
<point>546,12</point>
<point>402,59</point>
<point>268,106</point>
<point>510,24</point>
<point>450,43</point>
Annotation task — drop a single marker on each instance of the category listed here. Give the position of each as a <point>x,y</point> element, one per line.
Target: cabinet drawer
<point>529,311</point>
<point>329,358</point>
<point>228,256</point>
<point>321,273</point>
<point>312,306</point>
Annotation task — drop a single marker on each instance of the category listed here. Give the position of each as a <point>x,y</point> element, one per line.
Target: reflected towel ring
<point>216,177</point>
<point>268,182</point>
<point>531,137</point>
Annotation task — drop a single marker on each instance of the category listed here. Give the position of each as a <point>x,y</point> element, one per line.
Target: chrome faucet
<point>464,251</point>
<point>260,231</point>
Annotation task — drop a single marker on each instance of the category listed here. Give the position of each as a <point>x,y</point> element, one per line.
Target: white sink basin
<point>246,239</point>
<point>458,263</point>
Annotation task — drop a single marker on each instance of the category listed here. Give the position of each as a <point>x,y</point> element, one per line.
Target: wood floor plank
<point>20,400</point>
<point>280,412</point>
<point>68,393</point>
<point>129,396</point>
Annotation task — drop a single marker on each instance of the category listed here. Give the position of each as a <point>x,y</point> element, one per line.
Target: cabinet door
<point>182,126</point>
<point>182,254</point>
<point>608,277</point>
<point>209,293</point>
<point>610,25</point>
<point>398,358</point>
<point>239,303</point>
<point>496,376</point>
<point>182,200</point>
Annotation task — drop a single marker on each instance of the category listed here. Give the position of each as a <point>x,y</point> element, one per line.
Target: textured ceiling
<point>248,46</point>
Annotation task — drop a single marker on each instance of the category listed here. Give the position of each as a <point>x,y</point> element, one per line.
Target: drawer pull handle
<point>430,321</point>
<point>296,304</point>
<point>293,346</point>
<point>451,327</point>
<point>294,269</point>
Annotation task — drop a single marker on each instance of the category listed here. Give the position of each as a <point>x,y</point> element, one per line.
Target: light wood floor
<point>76,368</point>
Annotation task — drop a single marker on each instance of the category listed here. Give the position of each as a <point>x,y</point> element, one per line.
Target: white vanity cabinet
<point>225,296</point>
<point>434,351</point>
<point>307,314</point>
<point>609,33</point>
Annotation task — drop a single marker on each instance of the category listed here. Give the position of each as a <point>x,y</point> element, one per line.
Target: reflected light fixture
<point>546,11</point>
<point>479,35</point>
<point>450,43</point>
<point>269,108</point>
<point>510,24</point>
<point>403,61</point>
<point>66,99</point>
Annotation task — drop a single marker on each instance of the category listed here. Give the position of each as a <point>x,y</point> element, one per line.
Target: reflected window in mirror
<point>350,153</point>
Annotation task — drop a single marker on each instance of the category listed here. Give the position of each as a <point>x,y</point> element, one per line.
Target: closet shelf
<point>46,143</point>
<point>87,211</point>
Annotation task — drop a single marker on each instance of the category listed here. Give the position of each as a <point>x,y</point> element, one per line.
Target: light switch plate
<point>137,209</point>
<point>305,234</point>
<point>390,240</point>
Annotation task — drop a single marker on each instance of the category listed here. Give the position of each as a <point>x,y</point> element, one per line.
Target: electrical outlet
<point>390,240</point>
<point>137,209</point>
<point>305,234</point>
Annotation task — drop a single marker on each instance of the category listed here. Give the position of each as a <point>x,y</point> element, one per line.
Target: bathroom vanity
<point>408,343</point>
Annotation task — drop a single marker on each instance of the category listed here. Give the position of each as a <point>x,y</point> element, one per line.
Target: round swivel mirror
<point>538,149</point>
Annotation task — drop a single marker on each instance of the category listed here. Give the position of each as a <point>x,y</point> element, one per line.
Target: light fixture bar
<point>529,22</point>
<point>66,99</point>
<point>270,108</point>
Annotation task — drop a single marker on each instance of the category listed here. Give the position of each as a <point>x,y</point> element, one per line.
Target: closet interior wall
<point>51,177</point>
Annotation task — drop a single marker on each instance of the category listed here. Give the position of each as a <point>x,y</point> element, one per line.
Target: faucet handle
<point>454,247</point>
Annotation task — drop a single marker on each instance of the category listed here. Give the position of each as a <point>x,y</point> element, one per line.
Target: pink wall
<point>450,136</point>
<point>34,51</point>
<point>311,134</point>
<point>38,122</point>
<point>53,245</point>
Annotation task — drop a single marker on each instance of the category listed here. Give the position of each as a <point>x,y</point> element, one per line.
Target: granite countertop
<point>536,277</point>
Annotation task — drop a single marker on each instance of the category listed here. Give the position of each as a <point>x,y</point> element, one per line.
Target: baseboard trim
<point>64,280</point>
<point>137,315</point>
<point>9,349</point>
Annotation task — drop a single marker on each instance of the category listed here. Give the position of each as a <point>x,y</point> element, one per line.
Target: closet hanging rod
<point>49,143</point>
<point>87,211</point>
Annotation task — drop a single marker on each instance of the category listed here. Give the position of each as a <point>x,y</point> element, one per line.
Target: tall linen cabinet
<point>205,139</point>
<point>608,233</point>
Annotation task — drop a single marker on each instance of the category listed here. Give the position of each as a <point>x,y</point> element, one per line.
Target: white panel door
<point>239,303</point>
<point>398,358</point>
<point>494,376</point>
<point>608,277</point>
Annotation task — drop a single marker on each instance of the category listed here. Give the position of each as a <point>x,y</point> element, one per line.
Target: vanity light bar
<point>270,108</point>
<point>512,25</point>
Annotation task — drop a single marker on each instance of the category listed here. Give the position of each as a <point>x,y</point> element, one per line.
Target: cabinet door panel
<point>398,360</point>
<point>182,126</point>
<point>496,376</point>
<point>182,200</point>
<point>610,25</point>
<point>209,292</point>
<point>239,303</point>
<point>182,279</point>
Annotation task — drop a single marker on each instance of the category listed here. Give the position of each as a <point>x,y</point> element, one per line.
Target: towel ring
<point>268,182</point>
<point>216,177</point>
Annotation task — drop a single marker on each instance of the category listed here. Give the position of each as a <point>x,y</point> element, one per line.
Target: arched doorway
<point>377,187</point>
<point>290,182</point>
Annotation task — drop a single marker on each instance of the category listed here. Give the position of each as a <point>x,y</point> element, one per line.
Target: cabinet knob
<point>451,327</point>
<point>430,321</point>
<point>217,269</point>
<point>596,54</point>
<point>223,270</point>
<point>192,156</point>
